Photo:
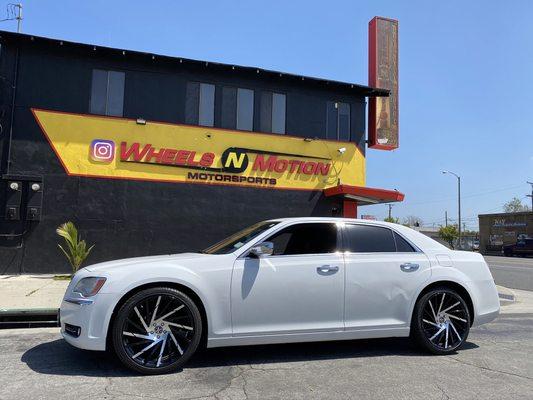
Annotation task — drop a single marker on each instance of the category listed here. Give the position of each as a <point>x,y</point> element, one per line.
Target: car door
<point>383,274</point>
<point>299,288</point>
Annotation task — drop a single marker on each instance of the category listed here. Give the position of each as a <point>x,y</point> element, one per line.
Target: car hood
<point>127,262</point>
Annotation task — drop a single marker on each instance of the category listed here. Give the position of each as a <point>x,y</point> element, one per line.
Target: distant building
<point>498,230</point>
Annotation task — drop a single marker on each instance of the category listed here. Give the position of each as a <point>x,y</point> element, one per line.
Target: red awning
<point>364,195</point>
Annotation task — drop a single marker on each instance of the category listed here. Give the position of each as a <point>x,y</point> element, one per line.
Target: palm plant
<point>76,249</point>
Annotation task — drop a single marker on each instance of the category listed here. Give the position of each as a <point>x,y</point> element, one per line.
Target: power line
<point>492,209</point>
<point>443,199</point>
<point>14,13</point>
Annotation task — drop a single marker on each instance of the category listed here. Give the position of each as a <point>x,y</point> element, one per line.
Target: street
<point>495,364</point>
<point>512,272</point>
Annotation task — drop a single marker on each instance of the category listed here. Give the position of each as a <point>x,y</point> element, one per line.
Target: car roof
<point>334,219</point>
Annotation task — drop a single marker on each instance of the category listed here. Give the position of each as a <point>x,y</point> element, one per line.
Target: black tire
<point>432,330</point>
<point>159,343</point>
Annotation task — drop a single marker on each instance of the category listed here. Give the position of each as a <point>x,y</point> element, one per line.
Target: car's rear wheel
<point>441,321</point>
<point>156,330</point>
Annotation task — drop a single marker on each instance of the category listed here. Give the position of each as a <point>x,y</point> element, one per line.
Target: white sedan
<point>281,281</point>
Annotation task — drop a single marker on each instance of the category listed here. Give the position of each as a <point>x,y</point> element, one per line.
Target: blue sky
<point>465,77</point>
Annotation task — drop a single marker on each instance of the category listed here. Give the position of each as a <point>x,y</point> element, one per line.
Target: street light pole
<point>531,195</point>
<point>458,201</point>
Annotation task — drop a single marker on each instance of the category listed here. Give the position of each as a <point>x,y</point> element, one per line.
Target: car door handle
<point>409,267</point>
<point>327,269</point>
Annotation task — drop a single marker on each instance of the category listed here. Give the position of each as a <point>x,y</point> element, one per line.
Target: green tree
<point>515,205</point>
<point>392,219</point>
<point>449,234</point>
<point>76,249</point>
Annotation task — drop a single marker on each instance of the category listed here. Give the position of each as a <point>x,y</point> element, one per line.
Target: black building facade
<point>125,207</point>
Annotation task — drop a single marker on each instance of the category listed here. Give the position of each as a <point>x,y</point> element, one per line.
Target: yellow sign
<point>120,148</point>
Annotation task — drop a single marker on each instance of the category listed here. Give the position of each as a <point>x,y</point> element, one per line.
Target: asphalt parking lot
<point>496,364</point>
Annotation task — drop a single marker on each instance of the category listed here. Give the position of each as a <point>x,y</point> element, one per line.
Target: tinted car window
<point>237,240</point>
<point>369,239</point>
<point>305,239</point>
<point>402,245</point>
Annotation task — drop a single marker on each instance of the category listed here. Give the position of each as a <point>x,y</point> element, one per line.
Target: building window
<point>272,114</point>
<point>200,104</point>
<point>338,121</point>
<point>245,109</point>
<point>107,93</point>
<point>237,108</point>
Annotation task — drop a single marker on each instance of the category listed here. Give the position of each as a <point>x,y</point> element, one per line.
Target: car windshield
<point>237,240</point>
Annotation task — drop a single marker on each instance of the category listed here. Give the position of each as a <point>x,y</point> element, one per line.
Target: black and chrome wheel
<point>441,321</point>
<point>157,330</point>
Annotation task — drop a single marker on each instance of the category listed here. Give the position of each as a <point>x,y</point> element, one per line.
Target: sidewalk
<point>514,301</point>
<point>30,292</point>
<point>38,293</point>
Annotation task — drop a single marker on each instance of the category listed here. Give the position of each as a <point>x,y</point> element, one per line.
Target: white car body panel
<point>283,299</point>
<point>378,292</point>
<point>287,294</point>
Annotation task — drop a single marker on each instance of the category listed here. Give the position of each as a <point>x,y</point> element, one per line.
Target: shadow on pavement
<point>59,358</point>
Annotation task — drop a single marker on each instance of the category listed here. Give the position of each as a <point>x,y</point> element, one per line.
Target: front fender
<point>213,292</point>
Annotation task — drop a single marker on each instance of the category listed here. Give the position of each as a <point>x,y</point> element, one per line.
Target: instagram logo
<point>102,150</point>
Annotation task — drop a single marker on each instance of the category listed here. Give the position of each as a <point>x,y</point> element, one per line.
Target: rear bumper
<point>486,301</point>
<point>486,318</point>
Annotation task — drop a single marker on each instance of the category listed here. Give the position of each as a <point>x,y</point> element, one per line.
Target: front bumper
<point>91,317</point>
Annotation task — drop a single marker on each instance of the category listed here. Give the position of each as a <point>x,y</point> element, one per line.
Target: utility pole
<point>14,12</point>
<point>19,17</point>
<point>390,211</point>
<point>446,217</point>
<point>531,195</point>
<point>458,201</point>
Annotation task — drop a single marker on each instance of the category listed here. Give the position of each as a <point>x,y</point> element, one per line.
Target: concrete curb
<point>506,295</point>
<point>28,318</point>
<point>28,311</point>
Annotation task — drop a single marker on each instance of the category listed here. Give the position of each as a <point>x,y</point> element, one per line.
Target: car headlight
<point>88,287</point>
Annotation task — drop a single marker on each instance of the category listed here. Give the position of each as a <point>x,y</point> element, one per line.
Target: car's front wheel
<point>441,321</point>
<point>156,330</point>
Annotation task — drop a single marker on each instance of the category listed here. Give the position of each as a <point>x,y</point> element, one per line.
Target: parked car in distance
<point>281,281</point>
<point>522,247</point>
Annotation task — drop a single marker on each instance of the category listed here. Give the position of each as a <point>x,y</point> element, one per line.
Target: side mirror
<point>261,250</point>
